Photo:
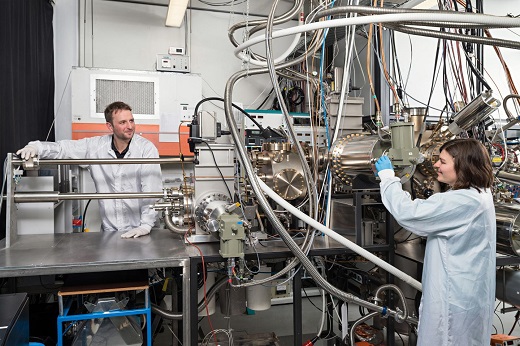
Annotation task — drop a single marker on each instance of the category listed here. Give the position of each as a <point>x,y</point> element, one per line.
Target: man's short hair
<point>113,107</point>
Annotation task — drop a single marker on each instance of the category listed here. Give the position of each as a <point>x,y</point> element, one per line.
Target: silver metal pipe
<point>171,225</point>
<point>510,177</point>
<point>357,323</point>
<point>32,197</point>
<point>399,317</point>
<point>508,226</point>
<point>474,112</point>
<point>107,161</point>
<point>455,37</point>
<point>264,204</point>
<point>171,315</point>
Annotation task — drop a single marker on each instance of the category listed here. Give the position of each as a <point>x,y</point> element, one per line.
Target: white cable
<point>339,238</point>
<point>345,83</point>
<point>388,18</point>
<point>323,311</point>
<point>282,57</point>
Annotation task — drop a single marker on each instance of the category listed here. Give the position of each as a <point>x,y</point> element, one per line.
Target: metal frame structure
<point>13,197</point>
<point>65,309</point>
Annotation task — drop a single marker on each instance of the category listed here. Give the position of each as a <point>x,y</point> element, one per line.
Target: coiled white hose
<point>339,238</point>
<point>388,18</point>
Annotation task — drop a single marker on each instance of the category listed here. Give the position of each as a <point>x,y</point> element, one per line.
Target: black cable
<point>407,239</point>
<point>260,242</point>
<point>266,98</point>
<point>295,96</point>
<point>397,67</point>
<point>218,168</point>
<point>234,105</point>
<point>400,337</point>
<point>424,104</point>
<point>310,300</point>
<point>476,72</point>
<point>517,317</point>
<point>431,91</point>
<point>399,230</point>
<point>84,217</point>
<point>501,323</point>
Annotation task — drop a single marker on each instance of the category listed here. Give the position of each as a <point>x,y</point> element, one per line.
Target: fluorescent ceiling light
<point>427,4</point>
<point>421,4</point>
<point>176,11</point>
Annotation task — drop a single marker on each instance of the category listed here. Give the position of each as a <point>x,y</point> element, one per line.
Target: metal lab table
<point>34,255</point>
<point>49,254</point>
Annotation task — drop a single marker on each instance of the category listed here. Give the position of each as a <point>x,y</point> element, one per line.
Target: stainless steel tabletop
<point>322,245</point>
<point>90,252</point>
<point>47,254</point>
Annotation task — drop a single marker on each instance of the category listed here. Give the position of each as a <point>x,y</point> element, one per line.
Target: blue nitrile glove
<point>384,163</point>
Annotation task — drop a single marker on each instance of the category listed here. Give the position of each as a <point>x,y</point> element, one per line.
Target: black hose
<point>170,315</point>
<point>234,105</point>
<point>84,217</point>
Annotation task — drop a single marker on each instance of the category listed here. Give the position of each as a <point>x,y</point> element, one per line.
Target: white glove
<point>136,232</point>
<point>27,152</point>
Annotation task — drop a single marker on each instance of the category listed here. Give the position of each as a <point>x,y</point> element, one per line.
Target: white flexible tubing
<point>282,57</point>
<point>323,306</point>
<point>387,18</point>
<point>349,46</point>
<point>339,238</point>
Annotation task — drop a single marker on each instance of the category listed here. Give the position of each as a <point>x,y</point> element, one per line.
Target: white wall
<point>417,55</point>
<point>66,55</point>
<point>122,35</point>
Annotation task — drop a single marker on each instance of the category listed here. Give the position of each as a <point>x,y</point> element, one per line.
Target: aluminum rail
<point>105,161</point>
<point>33,197</point>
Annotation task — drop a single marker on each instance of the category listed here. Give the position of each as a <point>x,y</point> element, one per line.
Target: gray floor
<point>277,320</point>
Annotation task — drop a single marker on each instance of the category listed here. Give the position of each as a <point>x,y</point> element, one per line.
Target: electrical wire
<point>216,165</point>
<point>196,111</point>
<point>204,279</point>
<point>59,106</point>
<point>4,183</point>
<point>517,317</point>
<point>83,222</point>
<point>499,319</point>
<point>262,201</point>
<point>171,331</point>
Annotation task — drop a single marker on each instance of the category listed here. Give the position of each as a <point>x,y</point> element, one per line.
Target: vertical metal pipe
<point>191,305</point>
<point>11,230</point>
<point>480,49</point>
<point>297,308</point>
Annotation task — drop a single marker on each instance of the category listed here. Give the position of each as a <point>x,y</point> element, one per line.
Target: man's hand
<point>384,163</point>
<point>136,232</point>
<point>27,152</point>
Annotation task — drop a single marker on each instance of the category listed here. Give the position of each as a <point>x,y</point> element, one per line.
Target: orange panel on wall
<point>150,132</point>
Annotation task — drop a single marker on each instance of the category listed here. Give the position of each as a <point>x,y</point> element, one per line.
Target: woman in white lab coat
<point>460,258</point>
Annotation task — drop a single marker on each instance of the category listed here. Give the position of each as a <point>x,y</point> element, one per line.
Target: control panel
<point>173,63</point>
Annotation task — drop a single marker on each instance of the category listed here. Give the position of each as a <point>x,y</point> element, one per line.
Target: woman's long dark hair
<point>472,163</point>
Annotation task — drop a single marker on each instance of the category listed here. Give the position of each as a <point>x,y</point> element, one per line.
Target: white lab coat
<point>116,214</point>
<point>459,262</point>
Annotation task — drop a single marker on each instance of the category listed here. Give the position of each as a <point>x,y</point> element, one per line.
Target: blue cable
<point>329,176</point>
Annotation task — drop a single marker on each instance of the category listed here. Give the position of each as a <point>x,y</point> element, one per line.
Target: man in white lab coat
<point>132,216</point>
